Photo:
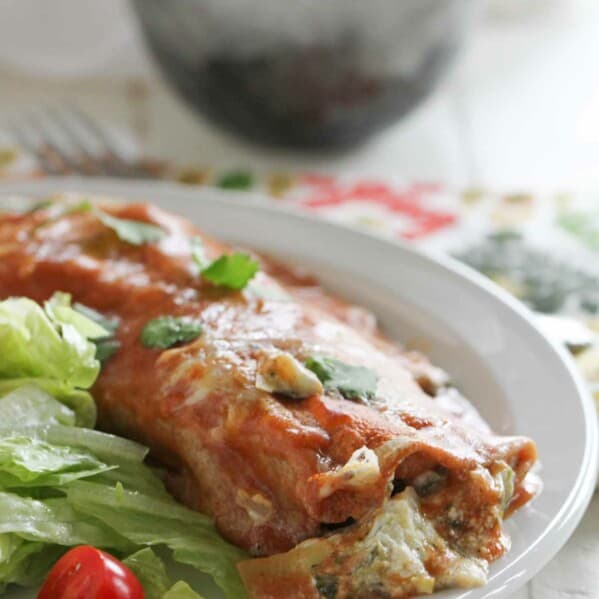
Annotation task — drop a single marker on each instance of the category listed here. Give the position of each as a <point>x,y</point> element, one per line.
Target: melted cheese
<point>398,553</point>
<point>280,372</point>
<point>362,469</point>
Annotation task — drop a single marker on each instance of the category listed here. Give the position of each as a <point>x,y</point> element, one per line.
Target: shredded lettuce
<point>50,347</point>
<point>35,343</point>
<point>81,498</point>
<point>53,520</point>
<point>190,535</point>
<point>181,590</point>
<point>29,405</point>
<point>58,308</point>
<point>152,574</point>
<point>24,562</point>
<point>26,461</point>
<point>63,485</point>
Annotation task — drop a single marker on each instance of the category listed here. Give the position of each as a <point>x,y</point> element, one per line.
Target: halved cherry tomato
<point>88,573</point>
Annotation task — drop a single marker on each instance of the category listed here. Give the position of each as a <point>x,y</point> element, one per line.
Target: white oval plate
<point>484,338</point>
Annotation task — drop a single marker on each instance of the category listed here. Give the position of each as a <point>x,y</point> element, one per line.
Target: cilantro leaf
<point>233,271</point>
<point>131,231</point>
<point>353,382</point>
<point>166,331</point>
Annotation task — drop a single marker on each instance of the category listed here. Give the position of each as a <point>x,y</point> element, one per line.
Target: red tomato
<point>88,573</point>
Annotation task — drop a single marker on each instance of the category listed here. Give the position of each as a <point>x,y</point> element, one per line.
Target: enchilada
<point>353,467</point>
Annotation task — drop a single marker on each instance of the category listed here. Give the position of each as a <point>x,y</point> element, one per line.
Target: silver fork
<point>66,141</point>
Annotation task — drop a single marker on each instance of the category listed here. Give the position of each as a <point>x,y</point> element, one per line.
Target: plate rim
<point>574,506</point>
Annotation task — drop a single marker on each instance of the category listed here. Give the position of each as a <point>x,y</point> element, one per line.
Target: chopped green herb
<point>236,180</point>
<point>233,271</point>
<point>132,231</point>
<point>353,382</point>
<point>166,331</point>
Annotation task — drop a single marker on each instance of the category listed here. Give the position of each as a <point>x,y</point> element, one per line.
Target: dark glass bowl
<point>312,73</point>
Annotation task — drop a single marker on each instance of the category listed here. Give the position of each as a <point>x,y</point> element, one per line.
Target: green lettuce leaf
<point>107,345</point>
<point>80,402</point>
<point>50,348</point>
<point>29,405</point>
<point>181,590</point>
<point>58,308</point>
<point>32,345</point>
<point>26,461</point>
<point>25,562</point>
<point>54,520</point>
<point>145,520</point>
<point>108,448</point>
<point>63,485</point>
<point>151,572</point>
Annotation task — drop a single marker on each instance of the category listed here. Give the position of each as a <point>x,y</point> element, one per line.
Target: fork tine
<point>65,140</point>
<point>50,159</point>
<point>112,159</point>
<point>84,161</point>
<point>52,144</point>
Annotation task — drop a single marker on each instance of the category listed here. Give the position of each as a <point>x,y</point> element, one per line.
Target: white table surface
<point>520,111</point>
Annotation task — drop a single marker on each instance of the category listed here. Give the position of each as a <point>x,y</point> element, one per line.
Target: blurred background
<point>499,94</point>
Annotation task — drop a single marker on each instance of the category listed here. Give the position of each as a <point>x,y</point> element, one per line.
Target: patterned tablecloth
<point>543,249</point>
